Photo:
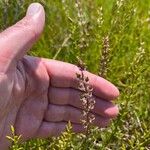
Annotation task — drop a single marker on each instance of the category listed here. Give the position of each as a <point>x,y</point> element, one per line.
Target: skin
<point>39,96</point>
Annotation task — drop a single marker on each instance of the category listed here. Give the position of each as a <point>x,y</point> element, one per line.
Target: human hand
<point>39,96</point>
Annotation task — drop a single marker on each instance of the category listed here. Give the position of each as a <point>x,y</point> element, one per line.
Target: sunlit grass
<point>126,23</point>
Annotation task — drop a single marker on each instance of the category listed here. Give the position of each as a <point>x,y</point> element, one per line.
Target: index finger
<point>64,75</point>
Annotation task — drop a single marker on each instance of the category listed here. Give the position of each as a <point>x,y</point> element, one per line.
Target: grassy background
<point>127,24</point>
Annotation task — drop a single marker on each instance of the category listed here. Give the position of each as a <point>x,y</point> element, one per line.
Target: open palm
<point>39,96</point>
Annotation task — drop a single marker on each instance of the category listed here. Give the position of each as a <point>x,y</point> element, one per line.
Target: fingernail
<point>33,9</point>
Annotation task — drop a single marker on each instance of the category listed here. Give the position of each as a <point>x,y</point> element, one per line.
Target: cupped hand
<point>39,96</point>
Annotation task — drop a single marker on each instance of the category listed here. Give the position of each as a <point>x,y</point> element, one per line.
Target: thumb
<point>16,40</point>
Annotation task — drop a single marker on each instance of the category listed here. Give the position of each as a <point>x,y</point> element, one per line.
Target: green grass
<point>128,28</point>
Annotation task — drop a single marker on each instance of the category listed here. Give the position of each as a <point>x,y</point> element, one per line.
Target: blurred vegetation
<point>71,32</point>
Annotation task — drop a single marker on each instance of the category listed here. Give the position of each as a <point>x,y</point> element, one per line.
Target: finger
<point>64,75</point>
<point>56,113</point>
<point>49,129</point>
<point>16,40</point>
<point>68,96</point>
